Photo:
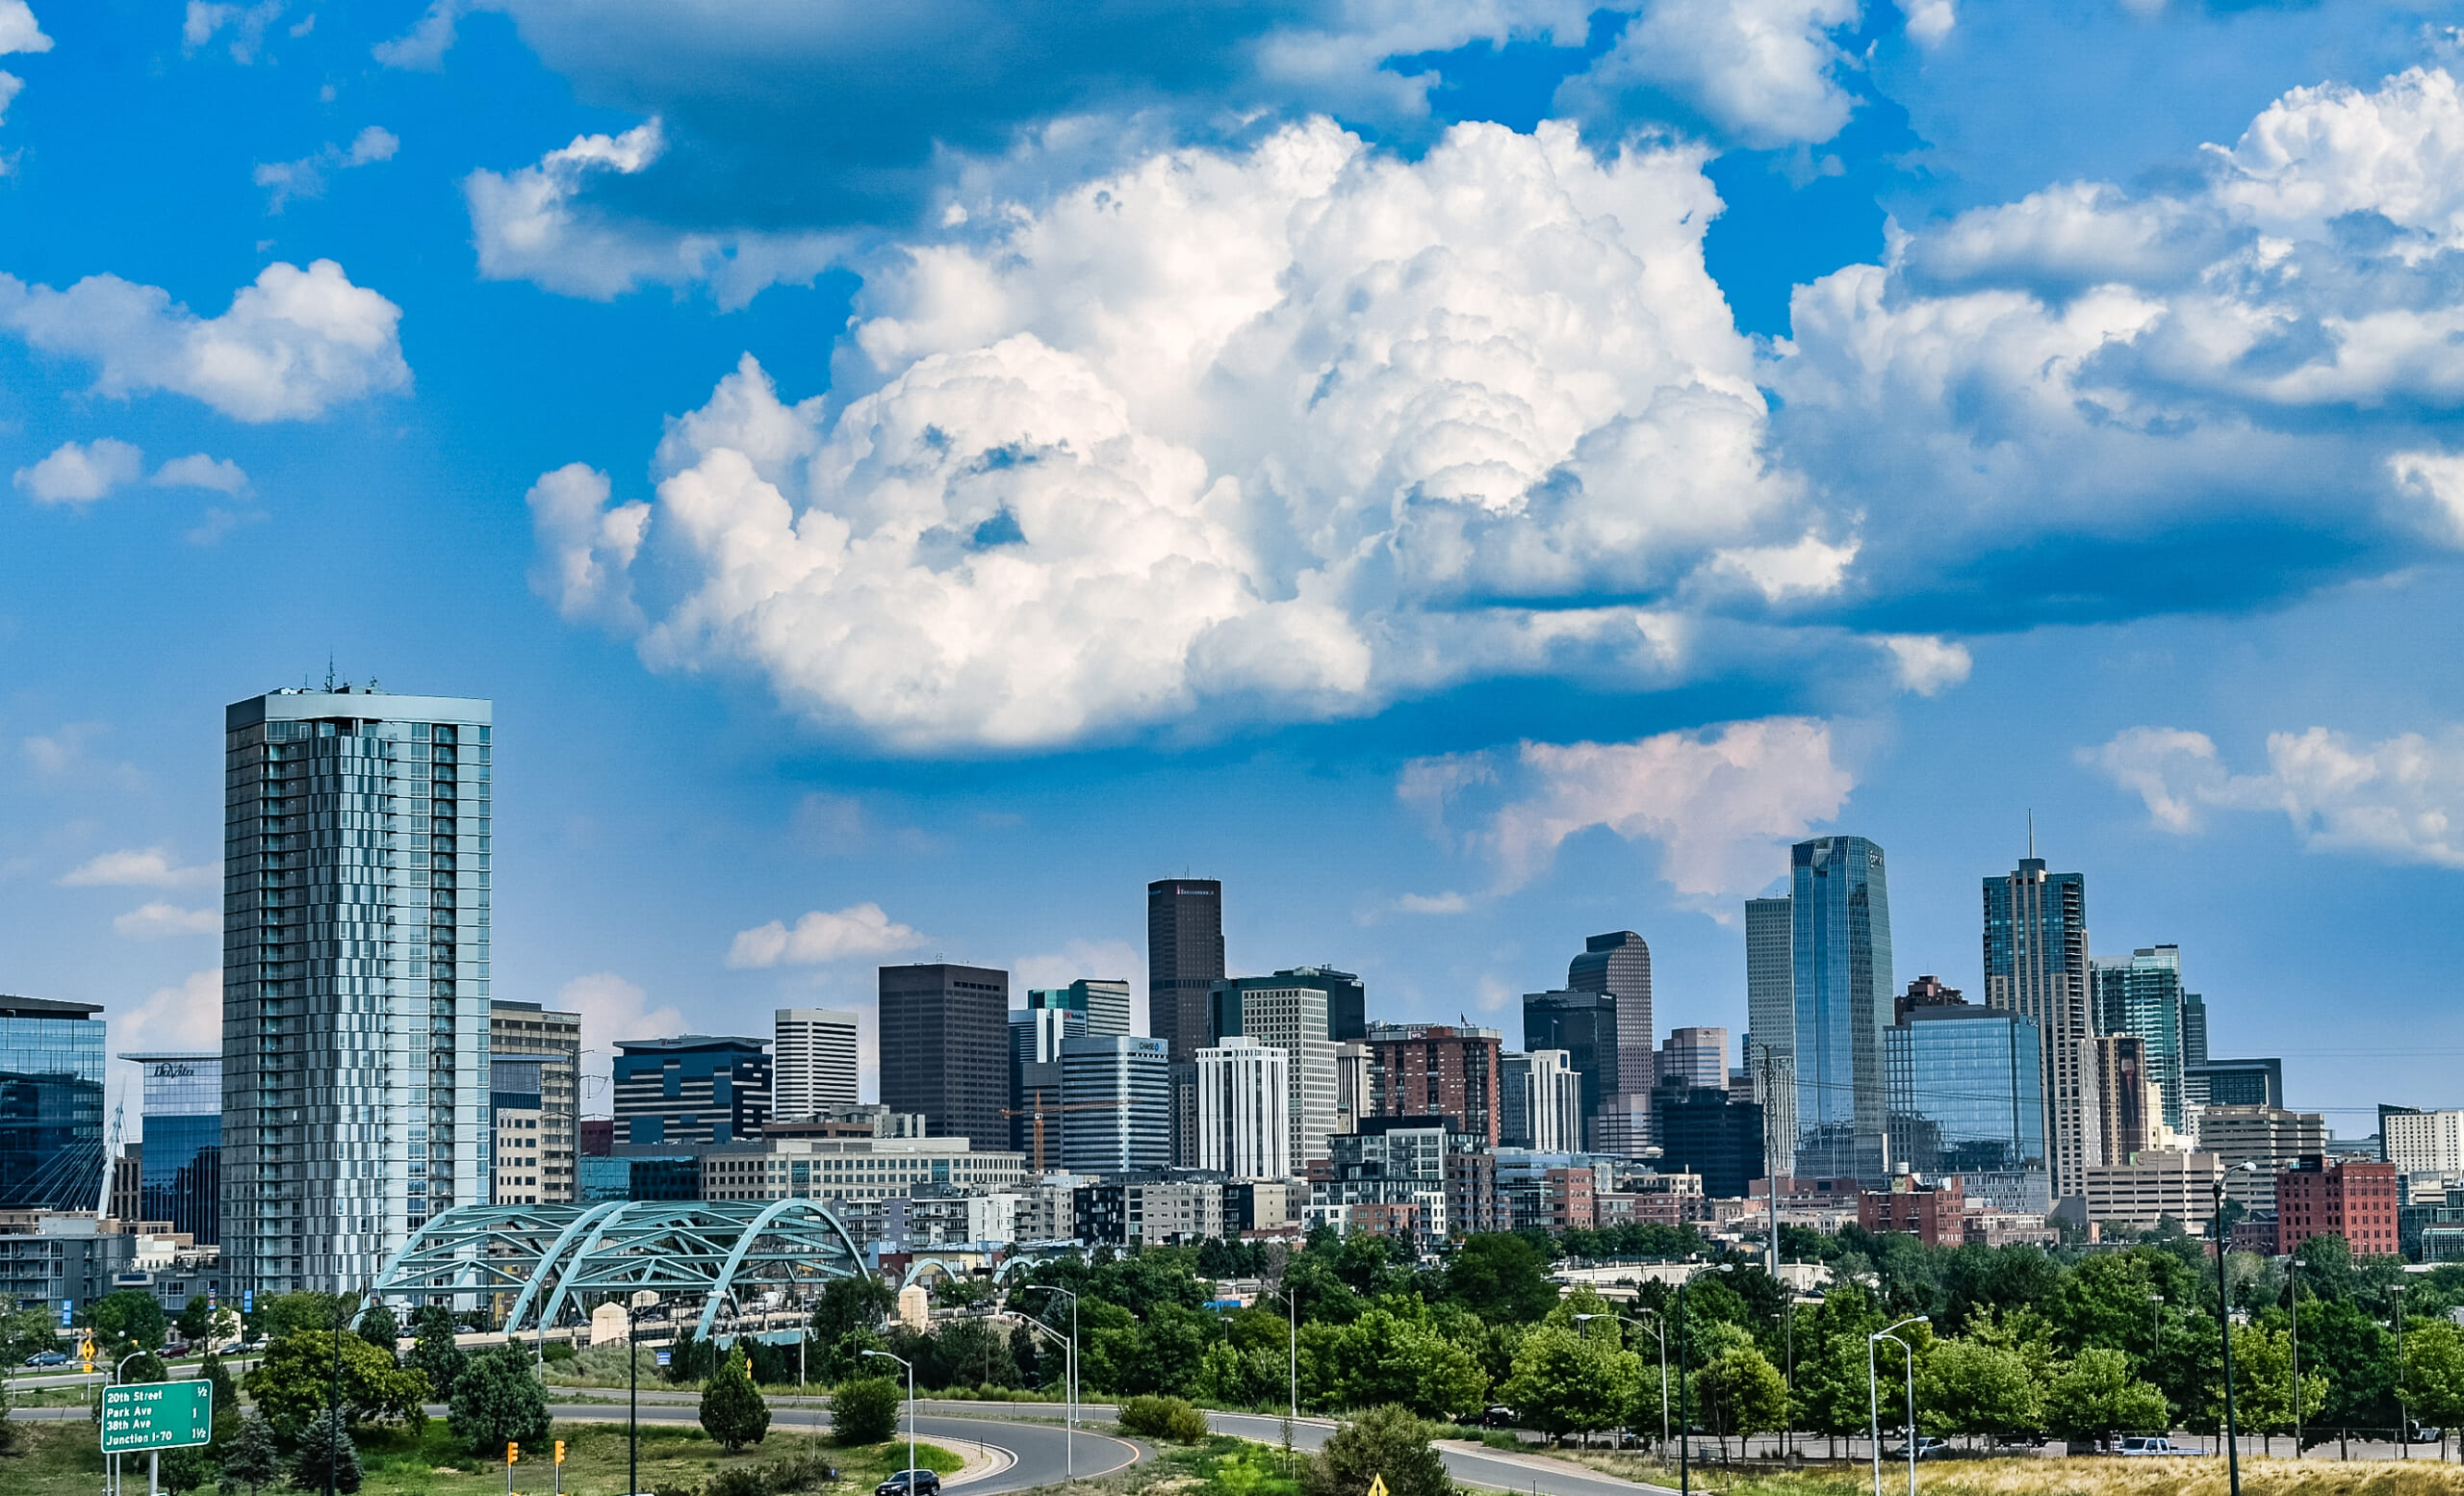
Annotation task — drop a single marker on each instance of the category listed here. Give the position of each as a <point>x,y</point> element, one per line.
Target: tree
<point>732,1411</point>
<point>378,1326</point>
<point>435,1352</point>
<point>1383,1441</point>
<point>25,1333</point>
<point>197,1319</point>
<point>1739,1393</point>
<point>865,1410</point>
<point>183,1470</point>
<point>1501,1279</point>
<point>1566,1381</point>
<point>226,1397</point>
<point>127,1318</point>
<point>496,1401</point>
<point>326,1448</point>
<point>2263,1386</point>
<point>294,1381</point>
<point>2434,1372</point>
<point>2094,1397</point>
<point>1969,1387</point>
<point>252,1457</point>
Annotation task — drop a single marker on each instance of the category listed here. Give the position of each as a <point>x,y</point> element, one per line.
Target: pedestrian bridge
<point>559,1262</point>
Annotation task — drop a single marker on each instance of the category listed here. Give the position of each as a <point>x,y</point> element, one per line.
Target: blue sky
<point>1469,474</point>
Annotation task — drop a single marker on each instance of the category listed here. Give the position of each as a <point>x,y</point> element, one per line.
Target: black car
<point>909,1483</point>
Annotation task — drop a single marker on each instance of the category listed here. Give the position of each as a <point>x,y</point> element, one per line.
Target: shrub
<point>732,1411</point>
<point>496,1401</point>
<point>865,1410</point>
<point>1387,1441</point>
<point>560,1350</point>
<point>740,1480</point>
<point>1163,1418</point>
<point>325,1443</point>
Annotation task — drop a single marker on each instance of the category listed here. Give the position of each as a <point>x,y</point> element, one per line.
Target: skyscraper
<point>945,1047</point>
<point>1840,966</point>
<point>1244,1110</point>
<point>1115,1104</point>
<point>1291,1018</point>
<point>1697,1056</point>
<point>180,1173</point>
<point>2143,997</point>
<point>51,1104</point>
<point>1184,959</point>
<point>812,1056</point>
<point>1619,963</point>
<point>1105,1002</point>
<point>2036,964</point>
<point>356,940</point>
<point>1540,1102</point>
<point>1968,1098</point>
<point>1037,1031</point>
<point>1771,1025</point>
<point>528,1031</point>
<point>1584,1026</point>
<point>1437,1069</point>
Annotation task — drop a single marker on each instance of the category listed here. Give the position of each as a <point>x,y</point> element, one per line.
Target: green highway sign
<point>157,1415</point>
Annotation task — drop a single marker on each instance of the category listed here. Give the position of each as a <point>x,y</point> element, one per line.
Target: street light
<point>1874,1398</point>
<point>911,1414</point>
<point>2403,1412</point>
<point>2155,1328</point>
<point>1685,1418</point>
<point>1069,1364</point>
<point>2293,1292</point>
<point>2225,1333</point>
<point>1292,1301</point>
<point>1659,1328</point>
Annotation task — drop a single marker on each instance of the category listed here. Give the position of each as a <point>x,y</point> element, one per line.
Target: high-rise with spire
<point>2036,966</point>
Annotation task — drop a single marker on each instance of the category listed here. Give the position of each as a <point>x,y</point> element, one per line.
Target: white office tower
<point>356,874</point>
<point>813,1062</point>
<point>1107,1005</point>
<point>1541,1101</point>
<point>1293,1021</point>
<point>1244,1110</point>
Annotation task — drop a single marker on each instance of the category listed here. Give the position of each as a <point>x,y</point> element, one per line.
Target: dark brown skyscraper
<point>1620,965</point>
<point>946,1048</point>
<point>1184,960</point>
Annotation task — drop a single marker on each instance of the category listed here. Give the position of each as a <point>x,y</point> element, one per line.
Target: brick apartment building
<point>2348,1197</point>
<point>1936,1213</point>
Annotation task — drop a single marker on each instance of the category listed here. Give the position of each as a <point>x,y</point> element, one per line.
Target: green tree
<point>865,1410</point>
<point>284,1314</point>
<point>732,1411</point>
<point>326,1449</point>
<point>185,1470</point>
<point>1501,1279</point>
<point>226,1396</point>
<point>378,1325</point>
<point>2263,1386</point>
<point>435,1352</point>
<point>496,1401</point>
<point>2094,1397</point>
<point>1969,1387</point>
<point>1739,1394</point>
<point>1566,1381</point>
<point>25,1333</point>
<point>127,1318</point>
<point>294,1381</point>
<point>251,1458</point>
<point>1383,1441</point>
<point>1394,1354</point>
<point>2434,1372</point>
<point>197,1319</point>
<point>1830,1361</point>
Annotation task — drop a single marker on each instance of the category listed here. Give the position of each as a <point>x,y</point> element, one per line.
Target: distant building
<point>693,1090</point>
<point>180,1175</point>
<point>1966,1098</point>
<point>1935,1213</point>
<point>1619,964</point>
<point>1450,1176</point>
<point>1771,1024</point>
<point>1697,1056</point>
<point>51,1128</point>
<point>1839,904</point>
<point>1115,1104</point>
<point>813,1050</point>
<point>1290,1017</point>
<point>1037,1033</point>
<point>515,1117</point>
<point>1540,1099</point>
<point>2235,1083</point>
<point>2269,1138</point>
<point>65,1259</point>
<point>529,1031</point>
<point>1184,960</point>
<point>2352,1198</point>
<point>944,1046</point>
<point>2127,1119</point>
<point>2145,1189</point>
<point>1437,1069</point>
<point>852,1169</point>
<point>1355,1092</point>
<point>649,1175</point>
<point>1243,1103</point>
<point>1584,1026</point>
<point>596,1137</point>
<point>1148,1212</point>
<point>1926,991</point>
<point>2143,996</point>
<point>2414,1141</point>
<point>1705,1130</point>
<point>2036,966</point>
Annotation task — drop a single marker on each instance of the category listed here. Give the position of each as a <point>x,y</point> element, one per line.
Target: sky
<point>1469,474</point>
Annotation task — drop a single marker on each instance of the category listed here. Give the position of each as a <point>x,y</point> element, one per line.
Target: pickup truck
<point>2158,1445</point>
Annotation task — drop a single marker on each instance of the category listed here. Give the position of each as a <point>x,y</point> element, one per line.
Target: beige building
<point>2143,1189</point>
<point>527,1031</point>
<point>2268,1136</point>
<point>852,1169</point>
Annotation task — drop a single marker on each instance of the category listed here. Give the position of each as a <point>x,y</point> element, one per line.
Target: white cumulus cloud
<point>283,180</point>
<point>155,920</point>
<point>18,30</point>
<point>612,1010</point>
<point>423,48</point>
<point>75,474</point>
<point>822,935</point>
<point>1760,72</point>
<point>1927,664</point>
<point>2399,799</point>
<point>245,26</point>
<point>293,345</point>
<point>147,867</point>
<point>187,1017</point>
<point>197,470</point>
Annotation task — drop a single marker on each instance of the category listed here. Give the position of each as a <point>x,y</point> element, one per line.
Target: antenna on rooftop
<point>2032,835</point>
<point>330,670</point>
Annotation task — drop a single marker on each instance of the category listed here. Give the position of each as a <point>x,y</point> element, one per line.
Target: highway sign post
<point>151,1415</point>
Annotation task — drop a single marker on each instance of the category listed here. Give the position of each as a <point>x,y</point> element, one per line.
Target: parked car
<point>909,1483</point>
<point>1497,1416</point>
<point>1926,1448</point>
<point>2155,1445</point>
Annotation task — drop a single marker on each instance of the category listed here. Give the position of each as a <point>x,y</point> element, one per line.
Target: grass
<point>2082,1476</point>
<point>61,1459</point>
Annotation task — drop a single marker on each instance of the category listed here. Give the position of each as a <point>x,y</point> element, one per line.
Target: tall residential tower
<point>2036,964</point>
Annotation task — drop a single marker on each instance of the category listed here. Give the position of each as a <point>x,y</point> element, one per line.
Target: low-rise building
<point>1149,1212</point>
<point>1265,1207</point>
<point>2269,1137</point>
<point>2149,1187</point>
<point>65,1259</point>
<point>2355,1198</point>
<point>1935,1212</point>
<point>853,1169</point>
<point>2008,1229</point>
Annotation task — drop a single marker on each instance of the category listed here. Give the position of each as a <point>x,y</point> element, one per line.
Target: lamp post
<point>2403,1412</point>
<point>911,1414</point>
<point>2225,1333</point>
<point>2155,1328</point>
<point>2293,1292</point>
<point>1685,1418</point>
<point>1659,1329</point>
<point>633,1307</point>
<point>1069,1364</point>
<point>1292,1301</point>
<point>1874,1400</point>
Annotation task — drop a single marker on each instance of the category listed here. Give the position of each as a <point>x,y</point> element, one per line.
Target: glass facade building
<point>2141,997</point>
<point>1840,968</point>
<point>180,1171</point>
<point>2036,964</point>
<point>1117,1104</point>
<point>1583,1025</point>
<point>1967,1092</point>
<point>51,1104</point>
<point>356,940</point>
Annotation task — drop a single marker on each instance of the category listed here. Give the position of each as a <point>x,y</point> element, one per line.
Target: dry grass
<point>2093,1476</point>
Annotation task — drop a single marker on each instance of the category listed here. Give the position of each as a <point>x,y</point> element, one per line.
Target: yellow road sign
<point>1377,1485</point>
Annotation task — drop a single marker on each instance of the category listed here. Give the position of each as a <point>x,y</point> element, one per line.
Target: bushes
<point>865,1410</point>
<point>1163,1418</point>
<point>1387,1441</point>
<point>732,1411</point>
<point>496,1401</point>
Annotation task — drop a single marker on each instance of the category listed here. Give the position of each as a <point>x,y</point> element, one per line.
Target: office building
<point>2036,964</point>
<point>1967,1098</point>
<point>2350,1198</point>
<point>944,1047</point>
<point>1540,1101</point>
<point>1926,991</point>
<point>1584,1026</point>
<point>1705,1130</point>
<point>1437,1069</point>
<point>180,1171</point>
<point>1148,1212</point>
<point>2193,1032</point>
<point>356,867</point>
<point>656,1176</point>
<point>1840,960</point>
<point>1184,960</point>
<point>1771,1025</point>
<point>850,1170</point>
<point>1037,1031</point>
<point>2268,1139</point>
<point>2414,1141</point>
<point>2143,997</point>
<point>812,1059</point>
<point>694,1090</point>
<point>2145,1189</point>
<point>1244,1110</point>
<point>127,1171</point>
<point>528,1031</point>
<point>2117,1081</point>
<point>515,1116</point>
<point>1619,964</point>
<point>1115,1104</point>
<point>1354,1096</point>
<point>1104,1000</point>
<point>1291,1018</point>
<point>1697,1056</point>
<point>2234,1083</point>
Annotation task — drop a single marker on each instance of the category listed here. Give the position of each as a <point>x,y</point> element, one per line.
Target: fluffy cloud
<point>1112,959</point>
<point>2400,799</point>
<point>1722,803</point>
<point>612,1009</point>
<point>19,31</point>
<point>283,180</point>
<point>1927,664</point>
<point>76,473</point>
<point>149,867</point>
<point>155,920</point>
<point>187,1017</point>
<point>197,470</point>
<point>243,25</point>
<point>423,48</point>
<point>822,935</point>
<point>290,346</point>
<point>1760,73</point>
<point>1288,431</point>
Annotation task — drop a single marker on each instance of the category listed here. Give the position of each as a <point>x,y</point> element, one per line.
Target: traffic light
<point>560,1452</point>
<point>512,1453</point>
